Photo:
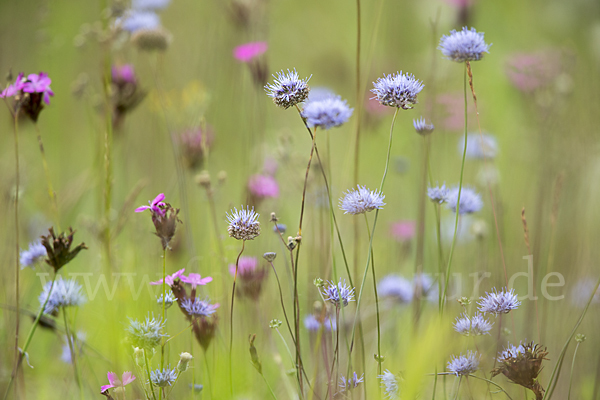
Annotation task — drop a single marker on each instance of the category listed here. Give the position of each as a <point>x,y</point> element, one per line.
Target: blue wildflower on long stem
<point>288,89</point>
<point>464,45</point>
<point>326,113</point>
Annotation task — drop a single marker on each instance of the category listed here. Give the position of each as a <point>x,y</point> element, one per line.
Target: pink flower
<point>195,280</point>
<point>123,74</point>
<point>155,205</point>
<point>263,186</point>
<point>114,381</point>
<point>403,230</point>
<point>530,71</point>
<point>246,265</point>
<point>39,83</point>
<point>13,89</point>
<point>169,279</point>
<point>247,52</point>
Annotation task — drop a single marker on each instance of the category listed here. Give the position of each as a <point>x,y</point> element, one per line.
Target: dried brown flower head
<point>59,248</point>
<point>522,365</point>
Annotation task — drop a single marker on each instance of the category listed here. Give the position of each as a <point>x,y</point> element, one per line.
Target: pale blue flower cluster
<point>312,324</point>
<point>361,200</point>
<point>499,302</point>
<point>288,89</point>
<point>163,378</point>
<point>196,307</point>
<point>396,287</point>
<point>438,194</point>
<point>339,294</point>
<point>326,113</point>
<point>511,351</point>
<point>397,90</point>
<point>470,200</point>
<point>146,334</point>
<point>142,15</point>
<point>464,365</point>
<point>475,326</point>
<point>65,293</point>
<point>422,127</point>
<point>35,252</point>
<point>169,299</point>
<point>243,224</point>
<point>389,382</point>
<point>351,382</point>
<point>465,45</point>
<point>479,146</point>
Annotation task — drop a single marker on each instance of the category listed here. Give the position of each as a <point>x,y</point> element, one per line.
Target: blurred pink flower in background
<point>454,110</point>
<point>403,231</point>
<point>530,71</point>
<point>262,186</point>
<point>246,265</point>
<point>114,380</point>
<point>247,52</point>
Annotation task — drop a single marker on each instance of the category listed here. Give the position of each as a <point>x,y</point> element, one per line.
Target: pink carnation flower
<point>155,205</point>
<point>195,280</point>
<point>263,186</point>
<point>170,279</point>
<point>246,265</point>
<point>403,231</point>
<point>114,380</point>
<point>247,52</point>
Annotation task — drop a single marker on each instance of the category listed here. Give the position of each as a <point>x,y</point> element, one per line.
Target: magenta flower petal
<point>142,208</point>
<point>113,379</point>
<point>127,378</point>
<point>248,51</point>
<point>104,387</point>
<point>170,279</point>
<point>195,279</point>
<point>158,199</point>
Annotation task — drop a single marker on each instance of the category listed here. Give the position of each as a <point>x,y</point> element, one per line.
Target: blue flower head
<point>288,89</point>
<point>149,4</point>
<point>499,302</point>
<point>351,382</point>
<point>466,45</point>
<point>326,113</point>
<point>163,378</point>
<point>135,20</point>
<point>389,382</point>
<point>397,90</point>
<point>475,326</point>
<point>470,201</point>
<point>464,365</point>
<point>479,146</point>
<point>243,224</point>
<point>438,194</point>
<point>339,294</point>
<point>361,200</point>
<point>396,287</point>
<point>511,351</point>
<point>32,255</point>
<point>146,334</point>
<point>196,307</point>
<point>422,127</point>
<point>65,293</point>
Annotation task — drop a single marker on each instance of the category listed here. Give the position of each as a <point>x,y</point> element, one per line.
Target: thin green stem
<point>72,351</point>
<point>237,263</point>
<point>572,368</point>
<point>149,378</point>
<point>17,246</point>
<point>379,355</point>
<point>457,211</point>
<point>51,192</point>
<point>282,303</point>
<point>164,297</point>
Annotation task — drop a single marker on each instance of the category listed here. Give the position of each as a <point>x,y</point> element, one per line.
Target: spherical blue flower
<point>196,307</point>
<point>397,288</point>
<point>163,378</point>
<point>398,90</point>
<point>169,299</point>
<point>389,382</point>
<point>438,194</point>
<point>352,382</point>
<point>339,294</point>
<point>479,146</point>
<point>326,113</point>
<point>475,326</point>
<point>65,293</point>
<point>464,365</point>
<point>470,201</point>
<point>146,334</point>
<point>32,255</point>
<point>466,45</point>
<point>499,302</point>
<point>422,127</point>
<point>288,89</point>
<point>279,228</point>
<point>243,224</point>
<point>312,323</point>
<point>136,20</point>
<point>149,4</point>
<point>510,352</point>
<point>361,201</point>
<point>320,93</point>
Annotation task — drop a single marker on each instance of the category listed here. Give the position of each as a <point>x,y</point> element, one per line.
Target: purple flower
<point>288,89</point>
<point>464,365</point>
<point>114,380</point>
<point>403,231</point>
<point>361,201</point>
<point>136,20</point>
<point>123,74</point>
<point>422,127</point>
<point>466,45</point>
<point>243,224</point>
<point>246,265</point>
<point>470,200</point>
<point>156,206</point>
<point>326,113</point>
<point>396,287</point>
<point>438,194</point>
<point>247,52</point>
<point>499,302</point>
<point>263,186</point>
<point>197,307</point>
<point>352,382</point>
<point>339,294</point>
<point>170,279</point>
<point>33,254</point>
<point>39,83</point>
<point>15,88</point>
<point>397,90</point>
<point>479,146</point>
<point>475,326</point>
<point>195,280</point>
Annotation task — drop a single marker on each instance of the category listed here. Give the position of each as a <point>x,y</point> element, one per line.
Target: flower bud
<point>184,359</point>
